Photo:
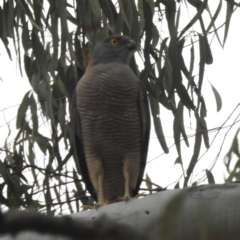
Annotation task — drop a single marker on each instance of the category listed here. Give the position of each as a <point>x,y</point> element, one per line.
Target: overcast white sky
<point>224,75</point>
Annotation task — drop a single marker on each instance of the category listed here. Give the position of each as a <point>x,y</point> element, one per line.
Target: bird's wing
<point>78,146</point>
<point>145,121</point>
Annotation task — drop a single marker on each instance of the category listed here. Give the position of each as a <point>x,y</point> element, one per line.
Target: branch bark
<point>203,212</point>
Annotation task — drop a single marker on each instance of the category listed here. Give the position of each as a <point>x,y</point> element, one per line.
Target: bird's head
<point>115,48</point>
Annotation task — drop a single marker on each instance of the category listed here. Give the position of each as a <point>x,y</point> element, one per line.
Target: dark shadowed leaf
<point>177,135</point>
<point>22,110</point>
<point>210,176</point>
<point>200,8</point>
<point>109,11</point>
<point>3,32</point>
<point>11,185</point>
<point>217,98</point>
<point>148,182</point>
<point>10,18</point>
<point>170,15</point>
<point>202,50</point>
<point>68,199</point>
<point>196,151</point>
<point>209,57</point>
<point>205,132</point>
<point>34,115</point>
<point>178,161</point>
<point>216,14</point>
<point>230,5</point>
<point>157,123</point>
<point>148,28</point>
<point>25,7</point>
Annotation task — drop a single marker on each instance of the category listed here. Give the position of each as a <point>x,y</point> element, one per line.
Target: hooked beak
<point>132,45</point>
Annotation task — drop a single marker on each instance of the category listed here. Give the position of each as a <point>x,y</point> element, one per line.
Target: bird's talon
<point>87,207</point>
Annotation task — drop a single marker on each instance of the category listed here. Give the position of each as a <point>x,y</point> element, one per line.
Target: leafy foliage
<point>53,40</point>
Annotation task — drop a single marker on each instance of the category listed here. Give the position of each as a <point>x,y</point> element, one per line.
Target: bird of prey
<point>111,122</point>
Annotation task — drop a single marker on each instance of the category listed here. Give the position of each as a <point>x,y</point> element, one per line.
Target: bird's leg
<point>127,187</point>
<point>127,195</point>
<point>101,200</point>
<point>130,173</point>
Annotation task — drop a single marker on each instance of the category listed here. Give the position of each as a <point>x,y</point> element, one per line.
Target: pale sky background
<point>224,75</point>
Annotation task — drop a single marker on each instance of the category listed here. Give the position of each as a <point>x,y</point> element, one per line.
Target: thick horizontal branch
<point>203,212</point>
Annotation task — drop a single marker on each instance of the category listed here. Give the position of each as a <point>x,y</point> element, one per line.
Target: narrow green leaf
<point>209,57</point>
<point>144,75</point>
<point>217,98</point>
<point>205,132</point>
<point>178,161</point>
<point>3,200</point>
<point>175,63</point>
<point>109,11</point>
<point>77,182</point>
<point>22,110</point>
<point>10,18</point>
<point>196,151</point>
<point>41,56</point>
<point>141,20</point>
<point>25,7</point>
<point>43,88</point>
<point>148,15</point>
<point>42,141</point>
<point>213,19</point>
<point>64,29</point>
<point>174,56</point>
<point>157,123</point>
<point>55,188</point>
<point>233,149</point>
<point>210,176</point>
<point>194,184</point>
<point>47,195</point>
<point>34,115</point>
<point>156,36</point>
<point>230,5</point>
<point>177,186</point>
<point>62,88</point>
<point>177,135</point>
<point>38,9</point>
<point>195,3</point>
<point>26,42</point>
<point>10,183</point>
<point>3,33</point>
<point>179,116</point>
<point>124,14</point>
<point>192,58</point>
<point>200,10</point>
<point>31,157</point>
<point>148,182</point>
<point>135,33</point>
<point>178,17</point>
<point>170,16</point>
<point>202,50</point>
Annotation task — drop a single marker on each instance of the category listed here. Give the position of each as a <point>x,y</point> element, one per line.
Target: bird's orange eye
<point>114,41</point>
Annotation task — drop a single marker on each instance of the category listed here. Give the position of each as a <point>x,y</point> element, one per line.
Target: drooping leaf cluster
<point>53,40</point>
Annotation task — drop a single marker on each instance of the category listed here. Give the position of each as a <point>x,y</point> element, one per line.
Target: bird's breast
<point>107,101</point>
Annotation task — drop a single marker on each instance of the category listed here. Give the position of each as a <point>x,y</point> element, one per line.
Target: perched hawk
<point>110,122</point>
